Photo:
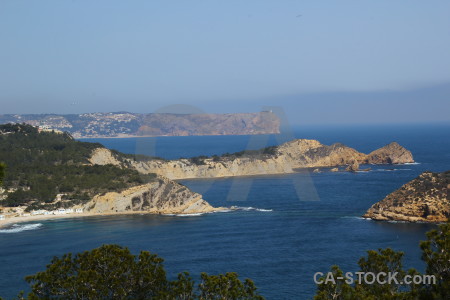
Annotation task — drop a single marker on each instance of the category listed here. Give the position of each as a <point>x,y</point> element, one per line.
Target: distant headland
<point>125,124</point>
<point>283,159</point>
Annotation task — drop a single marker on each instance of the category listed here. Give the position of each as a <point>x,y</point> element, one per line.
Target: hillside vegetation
<point>41,165</point>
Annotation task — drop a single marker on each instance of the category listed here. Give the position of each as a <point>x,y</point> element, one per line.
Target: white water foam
<point>414,163</point>
<point>251,208</point>
<point>392,170</point>
<point>223,211</point>
<point>233,208</point>
<point>183,215</point>
<point>19,228</point>
<point>189,215</point>
<point>356,218</point>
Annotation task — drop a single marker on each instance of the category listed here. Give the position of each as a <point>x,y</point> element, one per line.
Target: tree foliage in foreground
<point>112,272</point>
<point>435,253</point>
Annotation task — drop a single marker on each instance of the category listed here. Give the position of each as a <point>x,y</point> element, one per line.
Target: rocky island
<point>286,158</point>
<point>424,199</point>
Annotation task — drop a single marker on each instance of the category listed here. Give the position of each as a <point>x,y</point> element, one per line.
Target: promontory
<point>286,158</point>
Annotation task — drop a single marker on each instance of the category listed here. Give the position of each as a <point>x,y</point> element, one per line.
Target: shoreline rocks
<point>353,167</point>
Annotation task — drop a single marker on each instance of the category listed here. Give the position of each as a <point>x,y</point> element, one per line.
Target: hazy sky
<point>339,61</point>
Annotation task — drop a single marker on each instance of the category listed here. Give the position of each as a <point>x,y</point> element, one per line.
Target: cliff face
<point>285,158</point>
<point>162,196</point>
<point>424,199</point>
<point>183,168</point>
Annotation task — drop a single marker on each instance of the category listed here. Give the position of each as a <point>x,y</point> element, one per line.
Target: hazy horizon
<point>336,63</point>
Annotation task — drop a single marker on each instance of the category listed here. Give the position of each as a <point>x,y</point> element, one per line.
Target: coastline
<point>15,220</point>
<point>147,136</point>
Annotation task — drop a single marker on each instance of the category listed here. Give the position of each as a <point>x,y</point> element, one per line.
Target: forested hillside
<point>40,165</point>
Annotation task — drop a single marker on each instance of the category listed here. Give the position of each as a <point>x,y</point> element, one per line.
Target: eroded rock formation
<point>162,196</point>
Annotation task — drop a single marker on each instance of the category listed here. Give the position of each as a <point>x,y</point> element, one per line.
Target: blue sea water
<point>292,234</point>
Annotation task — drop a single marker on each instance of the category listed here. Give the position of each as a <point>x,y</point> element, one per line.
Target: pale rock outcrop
<point>321,155</point>
<point>103,156</point>
<point>183,168</point>
<point>161,196</point>
<point>390,154</point>
<point>424,199</point>
<point>286,158</point>
<point>353,167</point>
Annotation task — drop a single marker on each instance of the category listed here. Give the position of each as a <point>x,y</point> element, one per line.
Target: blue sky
<point>339,61</point>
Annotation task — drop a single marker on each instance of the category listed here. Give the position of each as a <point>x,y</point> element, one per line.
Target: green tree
<point>183,288</point>
<point>383,260</point>
<point>435,253</point>
<point>387,261</point>
<point>112,272</point>
<point>228,286</point>
<point>108,272</point>
<point>337,289</point>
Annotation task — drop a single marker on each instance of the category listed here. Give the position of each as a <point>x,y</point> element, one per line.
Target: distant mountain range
<point>125,124</point>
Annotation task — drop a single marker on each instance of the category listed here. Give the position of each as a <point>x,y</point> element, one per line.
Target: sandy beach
<point>14,220</point>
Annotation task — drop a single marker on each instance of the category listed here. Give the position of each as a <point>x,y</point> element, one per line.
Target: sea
<point>287,227</point>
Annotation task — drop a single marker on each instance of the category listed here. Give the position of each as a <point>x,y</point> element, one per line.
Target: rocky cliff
<point>162,196</point>
<point>424,199</point>
<point>282,159</point>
